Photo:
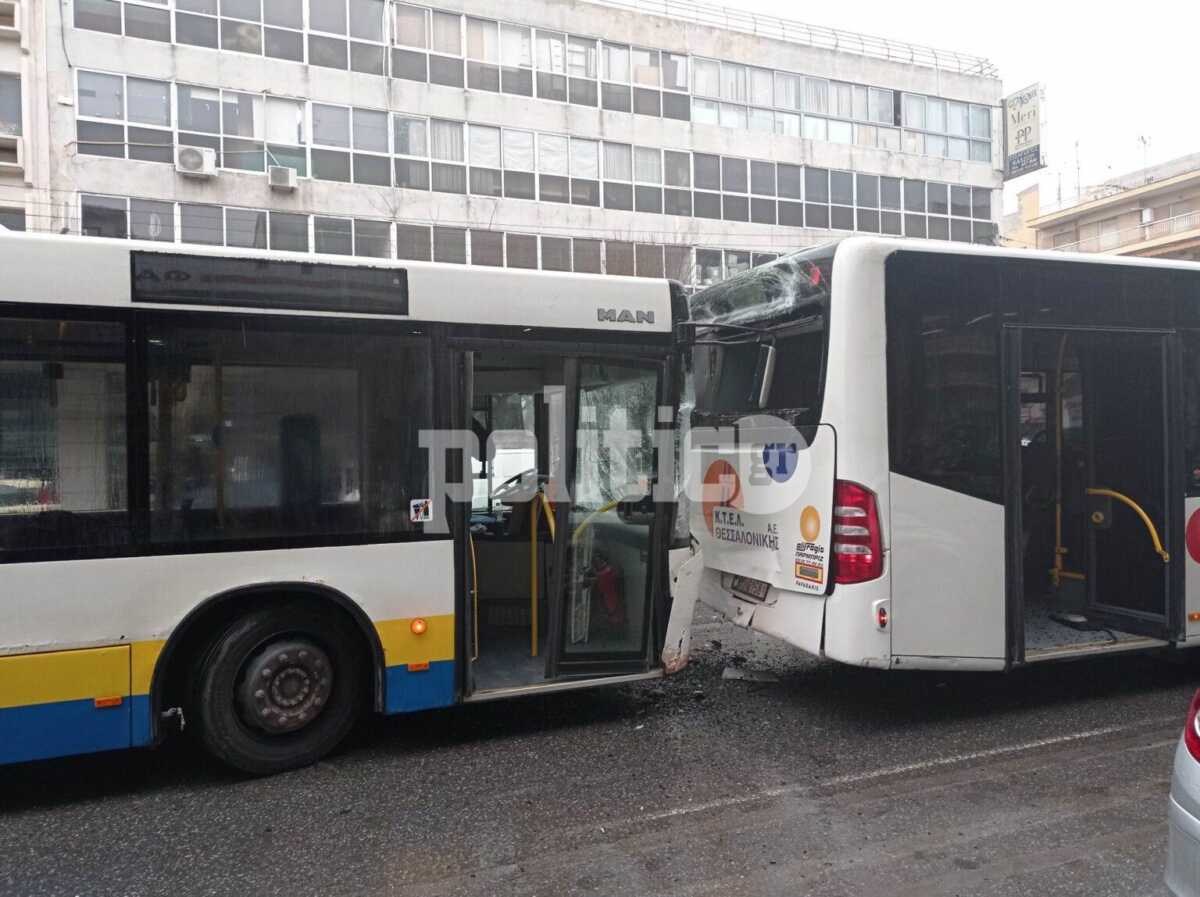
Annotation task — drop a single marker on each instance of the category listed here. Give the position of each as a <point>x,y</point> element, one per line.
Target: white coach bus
<point>989,458</point>
<point>219,502</point>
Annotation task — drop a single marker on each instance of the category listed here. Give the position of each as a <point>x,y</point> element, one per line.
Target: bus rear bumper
<point>790,617</point>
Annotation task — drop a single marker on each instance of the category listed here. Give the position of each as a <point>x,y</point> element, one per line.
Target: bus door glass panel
<point>62,435</point>
<point>612,515</point>
<point>1124,407</point>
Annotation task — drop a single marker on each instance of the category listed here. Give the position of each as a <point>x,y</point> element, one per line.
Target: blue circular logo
<point>779,458</point>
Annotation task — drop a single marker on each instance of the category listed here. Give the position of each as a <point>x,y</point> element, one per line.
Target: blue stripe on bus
<point>141,731</point>
<point>420,689</point>
<point>60,728</point>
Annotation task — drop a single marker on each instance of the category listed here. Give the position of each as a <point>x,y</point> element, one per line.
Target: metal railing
<point>809,35</point>
<point>1140,233</point>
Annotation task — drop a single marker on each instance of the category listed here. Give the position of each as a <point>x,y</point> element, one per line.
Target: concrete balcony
<point>1167,236</point>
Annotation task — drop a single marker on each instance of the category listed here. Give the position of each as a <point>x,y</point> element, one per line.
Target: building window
<point>10,105</point>
<point>123,117</point>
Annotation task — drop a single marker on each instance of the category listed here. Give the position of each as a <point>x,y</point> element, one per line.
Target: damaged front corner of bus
<point>760,465</point>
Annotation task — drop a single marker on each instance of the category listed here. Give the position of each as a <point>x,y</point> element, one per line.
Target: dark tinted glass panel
<point>841,188</point>
<point>372,239</point>
<point>204,225</point>
<point>449,178</point>
<point>584,192</point>
<point>62,455</point>
<point>411,173</point>
<point>522,251</point>
<point>519,185</point>
<point>13,219</point>
<point>583,92</point>
<point>618,258</point>
<point>735,208</point>
<point>616,97</point>
<point>144,22</point>
<point>241,36</point>
<point>677,106</point>
<point>487,248</point>
<point>939,199</point>
<point>284,44</point>
<point>707,205</point>
<point>375,170</point>
<point>150,220</point>
<point>289,232</point>
<point>409,65</point>
<point>366,58</point>
<point>841,218</point>
<point>443,70</point>
<point>618,196</point>
<point>262,283</point>
<point>914,196</point>
<point>733,175</point>
<point>556,254</point>
<point>706,172</point>
<point>981,203</point>
<point>334,236</point>
<point>289,157</point>
<point>517,81</point>
<point>762,178</point>
<point>284,13</point>
<point>450,245</point>
<point>96,139</point>
<point>487,182</point>
<point>330,165</point>
<point>244,155</point>
<point>552,188</point>
<point>483,77</point>
<point>647,102</point>
<point>960,230</point>
<point>914,225</point>
<point>868,191</point>
<point>551,86</point>
<point>816,185</point>
<point>195,30</point>
<point>790,177</point>
<point>939,228</point>
<point>329,52</point>
<point>890,223</point>
<point>815,215</point>
<point>791,214</point>
<point>984,232</point>
<point>762,211</point>
<point>678,202</point>
<point>868,221</point>
<point>648,260</point>
<point>586,256</point>
<point>944,390</point>
<point>412,242</point>
<point>99,15</point>
<point>647,199</point>
<point>104,216</point>
<point>322,423</point>
<point>960,201</point>
<point>889,193</point>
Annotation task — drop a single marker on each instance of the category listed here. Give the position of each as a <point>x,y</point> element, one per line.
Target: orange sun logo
<point>722,488</point>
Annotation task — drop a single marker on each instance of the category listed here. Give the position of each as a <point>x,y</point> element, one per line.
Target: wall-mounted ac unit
<point>196,161</point>
<point>281,178</point>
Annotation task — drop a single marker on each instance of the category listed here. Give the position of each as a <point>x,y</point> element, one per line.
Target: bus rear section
<point>995,462</point>
<point>790,535</point>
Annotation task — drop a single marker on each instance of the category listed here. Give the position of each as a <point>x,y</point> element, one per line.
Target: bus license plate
<point>754,588</point>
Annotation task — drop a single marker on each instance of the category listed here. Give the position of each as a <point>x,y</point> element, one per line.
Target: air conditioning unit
<point>196,161</point>
<point>281,178</point>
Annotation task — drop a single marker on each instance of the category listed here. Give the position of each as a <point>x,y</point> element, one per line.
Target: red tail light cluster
<point>1191,728</point>
<point>857,542</point>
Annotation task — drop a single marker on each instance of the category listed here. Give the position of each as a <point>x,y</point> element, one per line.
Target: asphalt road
<point>826,781</point>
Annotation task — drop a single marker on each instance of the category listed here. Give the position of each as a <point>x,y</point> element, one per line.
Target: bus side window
<point>1189,340</point>
<point>62,435</point>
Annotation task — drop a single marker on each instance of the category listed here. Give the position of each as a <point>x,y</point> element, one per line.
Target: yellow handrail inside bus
<point>1137,509</point>
<point>587,521</point>
<point>533,577</point>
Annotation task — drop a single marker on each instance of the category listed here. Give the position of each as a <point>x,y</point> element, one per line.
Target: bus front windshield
<point>787,303</point>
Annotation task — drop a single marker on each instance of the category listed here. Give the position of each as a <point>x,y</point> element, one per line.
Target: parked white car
<point>1183,851</point>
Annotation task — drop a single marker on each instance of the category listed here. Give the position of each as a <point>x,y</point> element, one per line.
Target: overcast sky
<point>1109,79</point>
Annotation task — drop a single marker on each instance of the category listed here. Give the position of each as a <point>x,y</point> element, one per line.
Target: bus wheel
<point>279,689</point>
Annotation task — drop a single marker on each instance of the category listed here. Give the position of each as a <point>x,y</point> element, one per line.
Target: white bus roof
<point>71,270</point>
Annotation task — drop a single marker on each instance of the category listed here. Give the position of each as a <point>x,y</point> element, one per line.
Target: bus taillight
<point>857,543</point>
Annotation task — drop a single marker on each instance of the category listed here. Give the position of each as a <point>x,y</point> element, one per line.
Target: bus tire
<point>279,688</point>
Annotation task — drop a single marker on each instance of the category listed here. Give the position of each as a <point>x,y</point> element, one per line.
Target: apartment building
<point>590,136</point>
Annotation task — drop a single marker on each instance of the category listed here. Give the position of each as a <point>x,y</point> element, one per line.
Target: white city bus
<point>222,497</point>
<point>951,457</point>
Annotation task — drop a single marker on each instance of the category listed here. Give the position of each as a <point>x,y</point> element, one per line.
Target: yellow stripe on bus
<point>403,646</point>
<point>64,676</point>
<point>141,665</point>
